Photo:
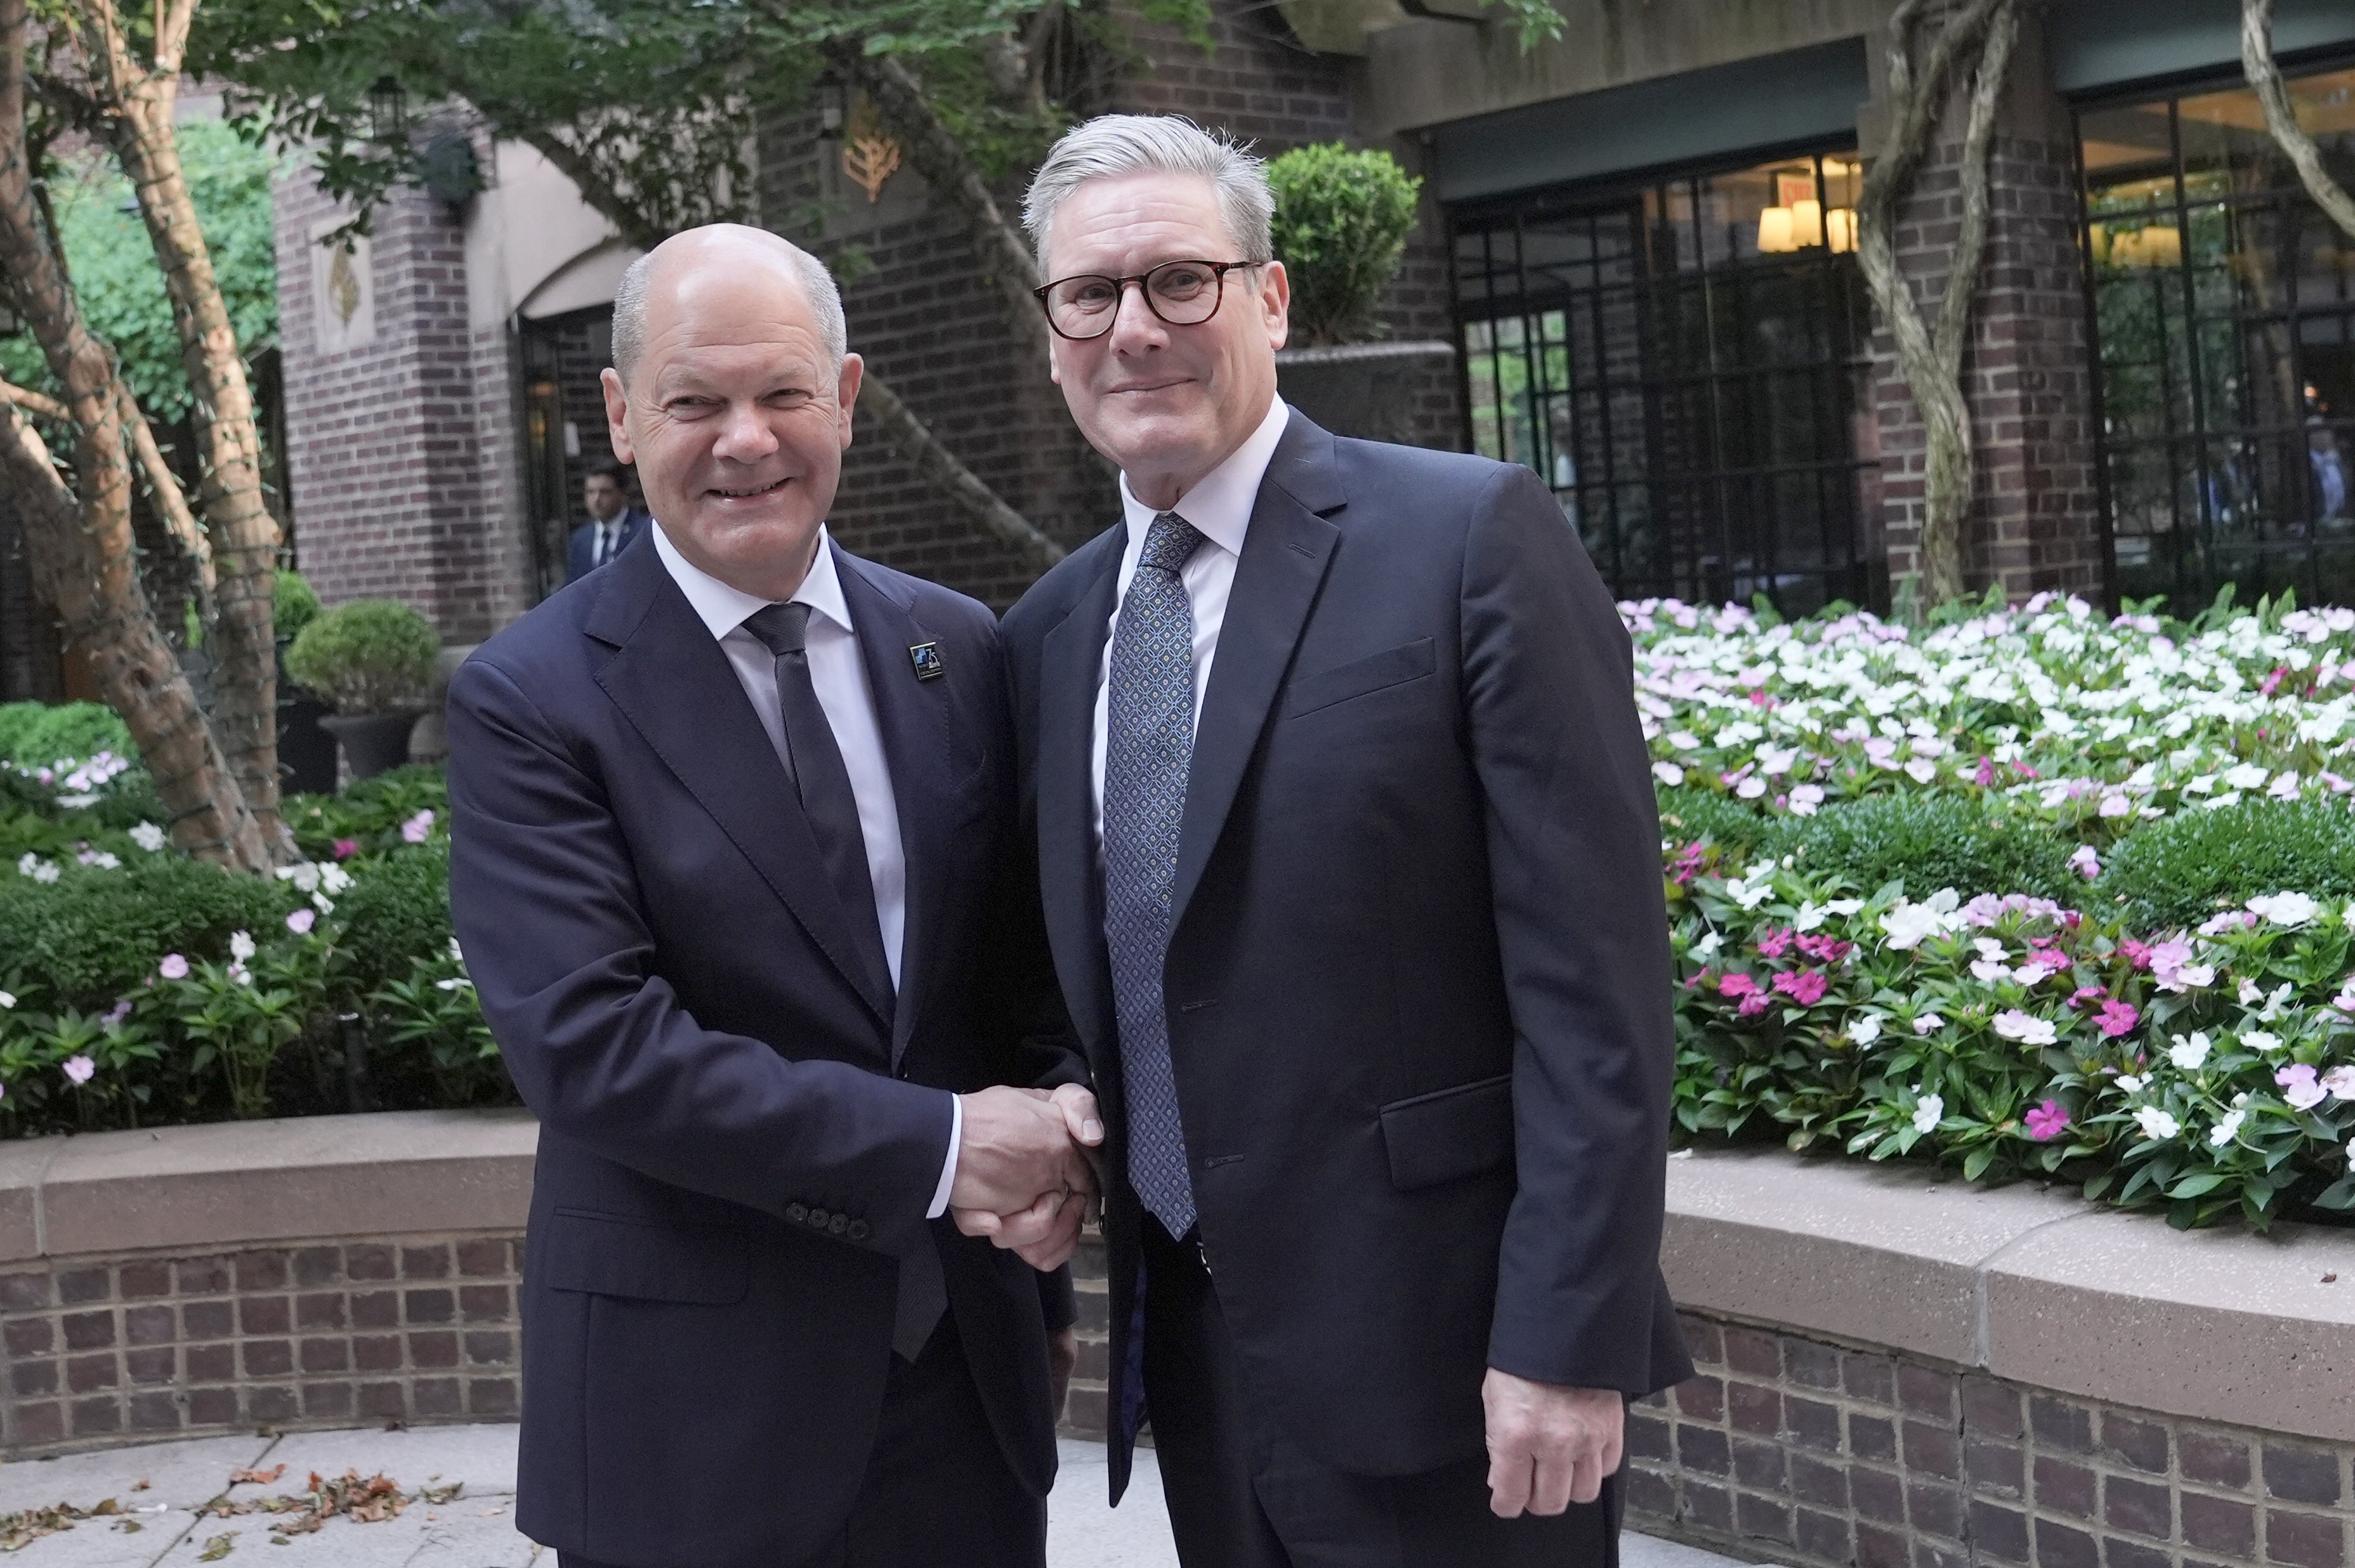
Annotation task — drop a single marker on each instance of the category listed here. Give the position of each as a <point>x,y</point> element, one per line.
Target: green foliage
<point>370,656</point>
<point>369,815</point>
<point>1341,222</point>
<point>434,1017</point>
<point>293,604</point>
<point>36,734</point>
<point>1687,815</point>
<point>1927,842</point>
<point>396,912</point>
<point>97,934</point>
<point>2180,870</point>
<point>119,286</point>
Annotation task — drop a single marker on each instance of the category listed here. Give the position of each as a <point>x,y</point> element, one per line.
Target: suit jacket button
<point>817,1219</point>
<point>859,1232</point>
<point>839,1224</point>
<point>797,1212</point>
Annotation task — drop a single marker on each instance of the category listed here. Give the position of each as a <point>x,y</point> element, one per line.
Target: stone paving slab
<point>477,1530</point>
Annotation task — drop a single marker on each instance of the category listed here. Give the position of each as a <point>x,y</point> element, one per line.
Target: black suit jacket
<point>581,551</point>
<point>1418,979</point>
<point>740,1137</point>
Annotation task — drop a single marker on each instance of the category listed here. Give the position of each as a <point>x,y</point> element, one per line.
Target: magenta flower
<point>301,922</point>
<point>1751,1005</point>
<point>346,848</point>
<point>1733,985</point>
<point>80,1068</point>
<point>1826,949</point>
<point>2046,1121</point>
<point>1986,775</point>
<point>2136,953</point>
<point>1775,943</point>
<point>1806,987</point>
<point>173,967</point>
<point>2117,1018</point>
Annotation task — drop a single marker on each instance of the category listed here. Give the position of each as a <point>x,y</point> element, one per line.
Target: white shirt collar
<point>1220,502</point>
<point>723,608</point>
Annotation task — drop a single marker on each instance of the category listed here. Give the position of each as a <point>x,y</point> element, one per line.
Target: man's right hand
<point>1023,1175</point>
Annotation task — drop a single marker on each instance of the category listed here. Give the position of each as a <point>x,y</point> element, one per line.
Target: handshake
<point>1027,1169</point>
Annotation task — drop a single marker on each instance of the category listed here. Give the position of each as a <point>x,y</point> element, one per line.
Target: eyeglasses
<point>1183,294</point>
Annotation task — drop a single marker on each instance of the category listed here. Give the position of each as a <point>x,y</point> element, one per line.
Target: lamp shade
<point>1841,224</point>
<point>1808,222</point>
<point>1775,232</point>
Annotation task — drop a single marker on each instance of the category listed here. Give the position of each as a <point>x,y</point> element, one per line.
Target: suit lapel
<point>1070,664</point>
<point>913,717</point>
<point>669,677</point>
<point>1286,552</point>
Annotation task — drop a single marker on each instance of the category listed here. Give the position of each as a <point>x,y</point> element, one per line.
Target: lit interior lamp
<point>1776,232</point>
<point>2162,247</point>
<point>1807,221</point>
<point>1843,229</point>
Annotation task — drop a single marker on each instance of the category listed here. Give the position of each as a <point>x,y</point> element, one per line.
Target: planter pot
<point>1401,392</point>
<point>306,752</point>
<point>372,742</point>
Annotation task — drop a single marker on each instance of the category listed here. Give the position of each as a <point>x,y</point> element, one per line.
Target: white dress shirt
<point>1220,506</point>
<point>840,676</point>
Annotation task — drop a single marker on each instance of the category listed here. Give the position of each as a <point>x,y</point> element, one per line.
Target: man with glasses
<point>1347,840</point>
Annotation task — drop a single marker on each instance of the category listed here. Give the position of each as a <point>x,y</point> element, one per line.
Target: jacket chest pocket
<point>1359,677</point>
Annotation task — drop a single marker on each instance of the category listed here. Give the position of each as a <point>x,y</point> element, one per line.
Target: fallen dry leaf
<point>140,1485</point>
<point>219,1547</point>
<point>258,1477</point>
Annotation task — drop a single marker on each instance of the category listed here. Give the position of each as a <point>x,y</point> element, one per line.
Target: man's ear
<point>846,393</point>
<point>1275,303</point>
<point>617,409</point>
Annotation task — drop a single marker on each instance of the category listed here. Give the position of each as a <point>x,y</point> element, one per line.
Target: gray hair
<point>1115,144</point>
<point>817,287</point>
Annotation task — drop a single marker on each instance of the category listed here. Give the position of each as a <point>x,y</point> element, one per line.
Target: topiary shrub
<point>2179,871</point>
<point>97,934</point>
<point>396,912</point>
<point>36,734</point>
<point>293,606</point>
<point>1928,842</point>
<point>1341,222</point>
<point>1687,815</point>
<point>370,656</point>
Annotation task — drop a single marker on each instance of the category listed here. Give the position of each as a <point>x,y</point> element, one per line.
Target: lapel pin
<point>926,657</point>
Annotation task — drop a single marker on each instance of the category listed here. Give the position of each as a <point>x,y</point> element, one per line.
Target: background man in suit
<point>1351,865</point>
<point>730,860</point>
<point>612,521</point>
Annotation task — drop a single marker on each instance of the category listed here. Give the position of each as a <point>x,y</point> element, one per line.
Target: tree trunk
<point>2281,114</point>
<point>80,538</point>
<point>1930,357</point>
<point>244,535</point>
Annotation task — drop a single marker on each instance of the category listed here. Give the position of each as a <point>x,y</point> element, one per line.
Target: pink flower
<point>1751,1005</point>
<point>2083,994</point>
<point>120,1011</point>
<point>1986,775</point>
<point>346,848</point>
<point>301,922</point>
<point>2046,1121</point>
<point>2340,1082</point>
<point>80,1068</point>
<point>1825,949</point>
<point>1806,987</point>
<point>2298,1086</point>
<point>1775,943</point>
<point>1732,985</point>
<point>2118,1018</point>
<point>418,828</point>
<point>173,967</point>
<point>2136,953</point>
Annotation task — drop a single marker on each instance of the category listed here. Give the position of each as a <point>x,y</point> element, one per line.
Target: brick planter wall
<point>408,1328</point>
<point>1833,1455</point>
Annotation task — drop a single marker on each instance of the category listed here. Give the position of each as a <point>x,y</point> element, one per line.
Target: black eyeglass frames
<point>1183,294</point>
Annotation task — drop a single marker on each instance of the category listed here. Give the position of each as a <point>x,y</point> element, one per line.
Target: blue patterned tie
<point>1148,749</point>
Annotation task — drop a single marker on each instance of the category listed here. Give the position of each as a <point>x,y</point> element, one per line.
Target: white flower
<point>2189,1054</point>
<point>1807,799</point>
<point>1864,1030</point>
<point>2025,1028</point>
<point>2286,908</point>
<point>1706,948</point>
<point>2227,1128</point>
<point>1750,895</point>
<point>334,878</point>
<point>1928,1112</point>
<point>1928,1023</point>
<point>1750,788</point>
<point>2284,787</point>
<point>2258,1040</point>
<point>304,875</point>
<point>2250,993</point>
<point>2248,775</point>
<point>2156,1124</point>
<point>1668,774</point>
<point>241,945</point>
<point>1908,923</point>
<point>325,904</point>
<point>2085,863</point>
<point>1989,949</point>
<point>148,836</point>
<point>1921,770</point>
<point>1684,739</point>
<point>2192,976</point>
<point>7,1001</point>
<point>2130,1083</point>
<point>457,956</point>
<point>1988,972</point>
<point>458,984</point>
<point>40,871</point>
<point>104,859</point>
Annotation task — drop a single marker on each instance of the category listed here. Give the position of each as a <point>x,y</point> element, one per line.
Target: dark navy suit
<point>1418,996</point>
<point>581,551</point>
<point>739,1133</point>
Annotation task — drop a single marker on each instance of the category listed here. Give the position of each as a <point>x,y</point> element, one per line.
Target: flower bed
<point>138,986</point>
<point>1834,992</point>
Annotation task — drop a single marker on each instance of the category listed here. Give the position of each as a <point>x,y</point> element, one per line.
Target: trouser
<point>937,1491</point>
<point>1242,1495</point>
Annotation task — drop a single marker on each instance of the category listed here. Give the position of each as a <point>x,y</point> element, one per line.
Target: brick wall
<point>399,455</point>
<point>1848,1456</point>
<point>413,1329</point>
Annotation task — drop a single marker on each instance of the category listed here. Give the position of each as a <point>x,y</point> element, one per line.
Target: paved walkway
<point>157,1491</point>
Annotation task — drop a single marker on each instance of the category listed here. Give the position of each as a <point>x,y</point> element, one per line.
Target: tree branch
<point>2281,114</point>
<point>163,489</point>
<point>32,403</point>
<point>939,467</point>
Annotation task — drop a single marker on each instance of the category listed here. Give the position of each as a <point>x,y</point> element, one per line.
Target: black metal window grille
<point>2222,303</point>
<point>1687,364</point>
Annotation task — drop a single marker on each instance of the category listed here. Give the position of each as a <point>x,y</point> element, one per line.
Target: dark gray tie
<point>1148,751</point>
<point>815,761</point>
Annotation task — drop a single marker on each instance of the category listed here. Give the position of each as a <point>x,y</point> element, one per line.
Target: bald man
<point>732,860</point>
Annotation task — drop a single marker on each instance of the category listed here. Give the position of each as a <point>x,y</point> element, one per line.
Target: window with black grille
<point>2224,303</point>
<point>1687,363</point>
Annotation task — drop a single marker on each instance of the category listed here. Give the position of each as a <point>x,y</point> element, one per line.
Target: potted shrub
<point>306,754</point>
<point>1341,222</point>
<point>372,661</point>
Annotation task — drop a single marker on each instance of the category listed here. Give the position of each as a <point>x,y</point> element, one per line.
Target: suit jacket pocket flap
<point>607,1255</point>
<point>1391,666</point>
<point>1449,1135</point>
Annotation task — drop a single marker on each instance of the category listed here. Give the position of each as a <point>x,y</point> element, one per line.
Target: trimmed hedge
<point>2182,869</point>
<point>37,734</point>
<point>100,934</point>
<point>396,915</point>
<point>1927,842</point>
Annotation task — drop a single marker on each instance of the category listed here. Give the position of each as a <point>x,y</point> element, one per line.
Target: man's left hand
<point>1548,1446</point>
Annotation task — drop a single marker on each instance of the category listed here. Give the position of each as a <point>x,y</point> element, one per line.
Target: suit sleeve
<point>1573,847</point>
<point>545,900</point>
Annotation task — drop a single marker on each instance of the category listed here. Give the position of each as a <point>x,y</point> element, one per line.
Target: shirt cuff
<point>948,1166</point>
